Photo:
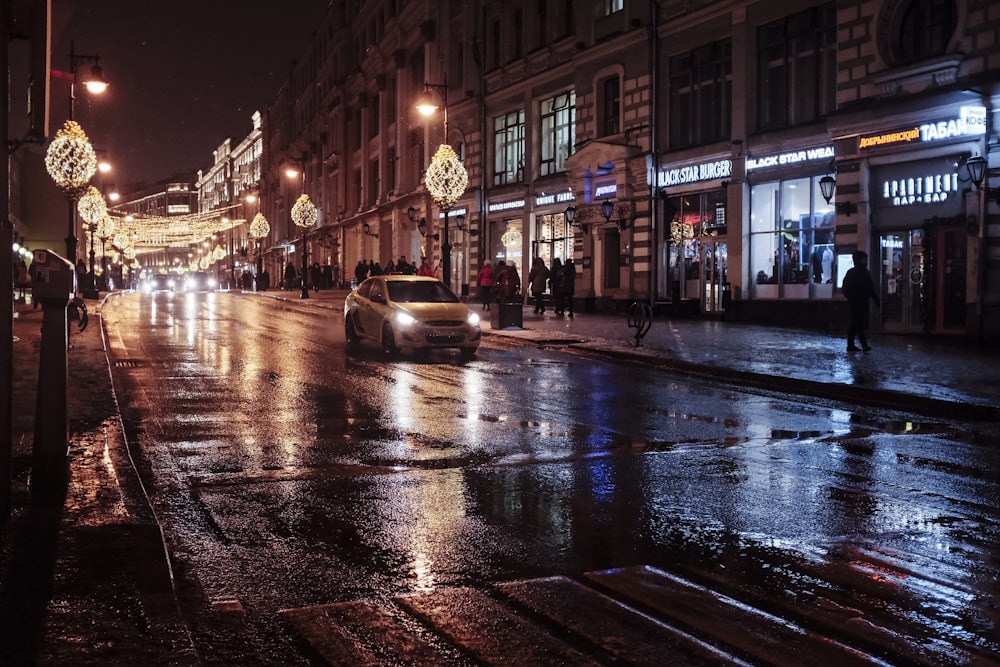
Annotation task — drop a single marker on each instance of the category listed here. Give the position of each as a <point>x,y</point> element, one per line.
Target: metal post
<point>49,454</point>
<point>305,269</point>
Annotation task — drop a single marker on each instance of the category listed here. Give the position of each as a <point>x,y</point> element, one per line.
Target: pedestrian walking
<point>538,278</point>
<point>485,280</point>
<point>316,276</point>
<point>425,268</point>
<point>858,288</point>
<point>507,282</point>
<point>361,271</point>
<point>290,276</point>
<point>567,285</point>
<point>555,275</point>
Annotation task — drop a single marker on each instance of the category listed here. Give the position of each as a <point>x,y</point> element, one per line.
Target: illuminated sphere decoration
<point>259,227</point>
<point>218,253</point>
<point>105,227</point>
<point>129,252</point>
<point>204,262</point>
<point>304,213</point>
<point>446,177</point>
<point>92,207</point>
<point>120,240</point>
<point>71,160</point>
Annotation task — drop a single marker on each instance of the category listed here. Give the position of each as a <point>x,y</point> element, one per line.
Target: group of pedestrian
<point>504,284</point>
<point>366,268</point>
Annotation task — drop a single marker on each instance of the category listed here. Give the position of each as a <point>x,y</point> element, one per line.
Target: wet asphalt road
<point>288,472</point>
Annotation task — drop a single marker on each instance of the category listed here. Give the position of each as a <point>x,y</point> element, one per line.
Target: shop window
<point>553,238</point>
<point>797,68</point>
<point>701,93</point>
<point>508,148</point>
<point>609,7</point>
<point>791,240</point>
<point>558,128</point>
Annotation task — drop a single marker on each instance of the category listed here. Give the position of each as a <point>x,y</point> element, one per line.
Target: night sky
<point>184,74</point>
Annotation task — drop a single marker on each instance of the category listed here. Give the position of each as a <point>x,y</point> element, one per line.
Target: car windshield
<point>422,291</point>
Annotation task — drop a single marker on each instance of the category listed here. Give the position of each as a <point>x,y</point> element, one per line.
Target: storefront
<point>553,233</point>
<point>922,244</point>
<point>792,255</point>
<point>505,239</point>
<point>694,242</point>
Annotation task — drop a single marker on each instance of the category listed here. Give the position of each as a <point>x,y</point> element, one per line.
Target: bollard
<point>54,285</point>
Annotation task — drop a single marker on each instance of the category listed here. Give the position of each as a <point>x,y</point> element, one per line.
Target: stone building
<point>708,157</point>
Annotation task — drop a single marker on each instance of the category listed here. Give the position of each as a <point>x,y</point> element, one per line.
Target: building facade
<point>718,157</point>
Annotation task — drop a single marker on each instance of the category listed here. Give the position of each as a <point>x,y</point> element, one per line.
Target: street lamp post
<point>92,209</point>
<point>95,83</point>
<point>304,215</point>
<point>105,228</point>
<point>259,228</point>
<point>446,177</point>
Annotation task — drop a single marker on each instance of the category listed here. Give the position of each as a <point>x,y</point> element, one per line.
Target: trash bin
<point>504,315</point>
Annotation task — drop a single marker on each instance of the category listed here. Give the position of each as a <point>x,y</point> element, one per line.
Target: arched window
<point>925,28</point>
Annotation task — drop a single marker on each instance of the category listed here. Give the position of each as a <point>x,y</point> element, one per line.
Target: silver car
<point>414,313</point>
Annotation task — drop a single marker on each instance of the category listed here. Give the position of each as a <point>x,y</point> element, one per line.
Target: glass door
<point>714,260</point>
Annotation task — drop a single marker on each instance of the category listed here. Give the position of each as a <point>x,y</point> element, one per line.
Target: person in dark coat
<point>858,288</point>
<point>316,276</point>
<point>555,275</point>
<point>567,285</point>
<point>290,276</point>
<point>538,278</point>
<point>361,271</point>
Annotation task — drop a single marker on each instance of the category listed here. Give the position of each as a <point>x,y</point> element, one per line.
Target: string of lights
<point>151,233</point>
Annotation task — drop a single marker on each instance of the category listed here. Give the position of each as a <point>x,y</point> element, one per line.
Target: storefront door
<point>921,280</point>
<point>951,249</point>
<point>714,260</point>
<point>900,279</point>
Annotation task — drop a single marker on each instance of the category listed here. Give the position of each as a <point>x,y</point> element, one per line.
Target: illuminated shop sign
<point>453,213</point>
<point>549,200</point>
<point>505,205</point>
<point>705,171</point>
<point>971,121</point>
<point>928,189</point>
<point>606,191</point>
<point>790,158</point>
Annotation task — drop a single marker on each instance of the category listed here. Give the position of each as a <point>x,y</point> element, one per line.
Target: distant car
<point>199,281</point>
<point>412,313</point>
<point>158,282</point>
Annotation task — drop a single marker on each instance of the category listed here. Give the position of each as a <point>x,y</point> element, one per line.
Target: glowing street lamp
<point>446,177</point>
<point>71,162</point>
<point>304,215</point>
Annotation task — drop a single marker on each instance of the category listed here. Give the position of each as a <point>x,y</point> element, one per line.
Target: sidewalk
<point>89,582</point>
<point>938,378</point>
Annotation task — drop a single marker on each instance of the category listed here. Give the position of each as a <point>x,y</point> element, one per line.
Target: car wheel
<point>350,332</point>
<point>467,352</point>
<point>388,340</point>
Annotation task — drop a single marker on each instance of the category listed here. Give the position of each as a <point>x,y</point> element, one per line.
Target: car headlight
<point>211,282</point>
<point>473,319</point>
<point>406,319</point>
<point>170,284</point>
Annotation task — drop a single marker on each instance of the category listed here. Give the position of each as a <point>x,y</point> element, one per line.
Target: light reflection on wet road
<point>289,472</point>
